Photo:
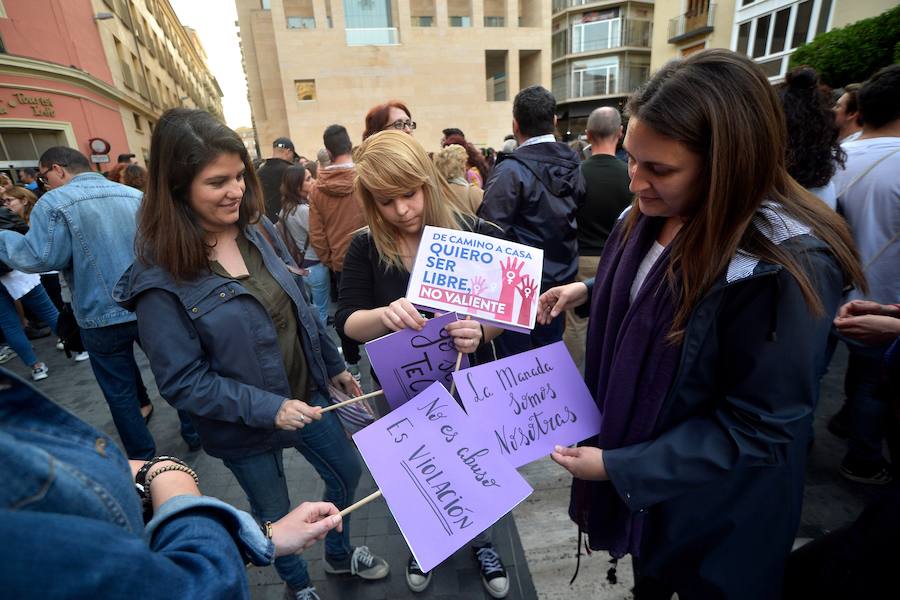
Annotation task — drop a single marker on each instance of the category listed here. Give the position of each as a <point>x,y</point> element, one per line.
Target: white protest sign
<point>491,279</point>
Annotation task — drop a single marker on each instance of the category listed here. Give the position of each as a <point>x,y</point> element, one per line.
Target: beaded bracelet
<point>166,468</point>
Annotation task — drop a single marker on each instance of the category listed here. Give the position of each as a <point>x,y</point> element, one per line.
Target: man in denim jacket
<point>84,227</point>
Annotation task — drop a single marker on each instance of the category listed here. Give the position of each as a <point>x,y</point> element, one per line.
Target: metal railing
<point>373,36</point>
<point>572,85</point>
<point>695,21</point>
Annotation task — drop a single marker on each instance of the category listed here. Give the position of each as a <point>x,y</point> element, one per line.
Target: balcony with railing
<point>699,19</point>
<point>597,36</point>
<point>596,78</point>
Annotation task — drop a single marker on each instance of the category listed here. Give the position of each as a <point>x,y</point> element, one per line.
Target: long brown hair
<point>721,106</point>
<point>291,182</point>
<point>183,143</point>
<point>392,163</point>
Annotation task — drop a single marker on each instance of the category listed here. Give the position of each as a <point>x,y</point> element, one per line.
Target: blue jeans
<point>111,350</point>
<point>326,447</point>
<point>38,303</point>
<point>319,284</point>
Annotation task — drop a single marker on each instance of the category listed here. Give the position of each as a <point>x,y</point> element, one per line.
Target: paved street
<point>537,541</point>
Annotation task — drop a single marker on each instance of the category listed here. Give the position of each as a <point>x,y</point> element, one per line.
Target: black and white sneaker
<point>416,578</point>
<point>307,593</point>
<point>361,563</point>
<point>493,574</point>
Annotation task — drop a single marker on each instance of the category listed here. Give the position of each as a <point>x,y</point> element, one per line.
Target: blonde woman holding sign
<point>402,192</point>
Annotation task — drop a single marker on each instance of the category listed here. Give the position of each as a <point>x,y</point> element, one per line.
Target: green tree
<point>853,53</point>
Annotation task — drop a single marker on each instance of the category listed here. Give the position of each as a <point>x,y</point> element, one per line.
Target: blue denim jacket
<point>213,349</point>
<point>71,522</point>
<point>86,230</point>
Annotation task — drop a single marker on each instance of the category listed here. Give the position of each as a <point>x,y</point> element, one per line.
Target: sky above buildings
<point>214,21</point>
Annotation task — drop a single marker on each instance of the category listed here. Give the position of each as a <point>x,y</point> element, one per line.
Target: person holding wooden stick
<point>402,192</point>
<point>230,337</point>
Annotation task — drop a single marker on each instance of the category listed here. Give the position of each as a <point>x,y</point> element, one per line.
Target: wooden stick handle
<point>455,369</point>
<point>352,400</point>
<point>363,502</point>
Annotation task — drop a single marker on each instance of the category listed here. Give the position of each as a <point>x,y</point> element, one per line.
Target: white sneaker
<point>39,372</point>
<point>80,356</point>
<point>59,344</point>
<point>6,353</point>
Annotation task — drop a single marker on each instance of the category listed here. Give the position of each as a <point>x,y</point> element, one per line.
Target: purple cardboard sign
<point>442,483</point>
<point>408,361</point>
<point>530,402</point>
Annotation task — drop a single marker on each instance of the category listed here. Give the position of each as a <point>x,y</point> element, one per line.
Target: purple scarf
<point>630,366</point>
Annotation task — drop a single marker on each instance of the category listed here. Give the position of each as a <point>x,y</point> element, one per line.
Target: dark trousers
<point>111,350</point>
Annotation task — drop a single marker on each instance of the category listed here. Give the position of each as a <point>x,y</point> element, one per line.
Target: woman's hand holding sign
<point>583,462</point>
<point>466,335</point>
<point>401,314</point>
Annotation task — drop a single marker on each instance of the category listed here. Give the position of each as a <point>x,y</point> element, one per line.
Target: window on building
<point>460,13</point>
<point>560,40</point>
<point>801,24</point>
<point>595,77</point>
<point>124,67</point>
<point>824,16</point>
<point>560,82</point>
<point>27,145</point>
<point>306,89</point>
<point>770,38</point>
<point>495,13</point>
<point>266,4</point>
<point>299,14</point>
<point>137,121</point>
<point>422,13</point>
<point>597,31</point>
<point>370,22</point>
<point>496,69</point>
<point>779,30</point>
<point>762,34</point>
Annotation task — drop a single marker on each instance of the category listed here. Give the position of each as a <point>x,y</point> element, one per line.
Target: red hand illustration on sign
<point>478,285</point>
<point>511,274</point>
<point>526,288</point>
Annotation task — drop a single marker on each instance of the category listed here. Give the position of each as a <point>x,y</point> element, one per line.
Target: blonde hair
<point>392,163</point>
<point>451,161</point>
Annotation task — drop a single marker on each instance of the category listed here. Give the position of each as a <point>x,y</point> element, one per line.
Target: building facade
<point>455,63</point>
<point>600,53</point>
<point>81,70</point>
<point>767,30</point>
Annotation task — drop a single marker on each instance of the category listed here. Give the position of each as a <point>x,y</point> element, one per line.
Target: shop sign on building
<point>41,106</point>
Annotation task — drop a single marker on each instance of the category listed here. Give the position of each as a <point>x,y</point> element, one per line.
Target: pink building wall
<point>63,32</point>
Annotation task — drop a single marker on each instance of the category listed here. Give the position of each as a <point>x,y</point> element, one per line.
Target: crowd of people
<point>702,284</point>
